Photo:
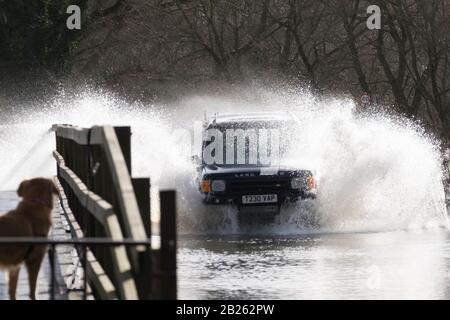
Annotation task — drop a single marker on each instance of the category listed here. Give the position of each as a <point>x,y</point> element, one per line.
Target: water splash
<point>375,172</point>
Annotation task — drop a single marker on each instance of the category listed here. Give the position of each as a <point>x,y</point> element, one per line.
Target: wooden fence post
<point>168,260</point>
<point>141,188</point>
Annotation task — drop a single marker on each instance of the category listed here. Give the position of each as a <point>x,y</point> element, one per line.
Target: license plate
<point>260,198</point>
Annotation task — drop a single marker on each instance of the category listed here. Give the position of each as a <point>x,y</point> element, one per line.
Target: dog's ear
<point>21,188</point>
<point>53,189</point>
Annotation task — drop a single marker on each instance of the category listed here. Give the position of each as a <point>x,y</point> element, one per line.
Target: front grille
<point>257,185</point>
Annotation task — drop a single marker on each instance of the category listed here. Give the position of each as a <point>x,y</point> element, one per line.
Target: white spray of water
<point>375,172</point>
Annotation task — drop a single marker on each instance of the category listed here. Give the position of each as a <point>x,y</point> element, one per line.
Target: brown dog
<point>31,218</point>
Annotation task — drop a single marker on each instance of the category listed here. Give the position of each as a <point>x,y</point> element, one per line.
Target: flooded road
<point>386,265</point>
<point>375,173</point>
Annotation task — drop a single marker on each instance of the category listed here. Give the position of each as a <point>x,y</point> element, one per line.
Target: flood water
<point>378,175</point>
<point>385,265</point>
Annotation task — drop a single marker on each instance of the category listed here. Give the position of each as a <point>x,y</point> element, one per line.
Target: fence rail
<point>92,270</point>
<point>101,200</point>
<point>119,270</point>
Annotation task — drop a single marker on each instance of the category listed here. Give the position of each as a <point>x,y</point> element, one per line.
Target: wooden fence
<point>101,200</point>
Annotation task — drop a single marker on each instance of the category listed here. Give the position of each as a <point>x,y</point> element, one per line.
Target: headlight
<point>218,185</point>
<point>296,183</point>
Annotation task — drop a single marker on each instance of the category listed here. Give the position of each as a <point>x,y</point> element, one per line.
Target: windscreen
<point>252,143</point>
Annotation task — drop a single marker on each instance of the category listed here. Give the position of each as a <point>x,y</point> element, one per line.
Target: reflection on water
<point>389,265</point>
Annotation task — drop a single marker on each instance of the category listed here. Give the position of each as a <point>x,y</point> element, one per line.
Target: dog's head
<point>38,189</point>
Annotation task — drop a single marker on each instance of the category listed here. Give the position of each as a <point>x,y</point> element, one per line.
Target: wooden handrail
<point>94,168</point>
<point>103,212</point>
<point>106,137</point>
